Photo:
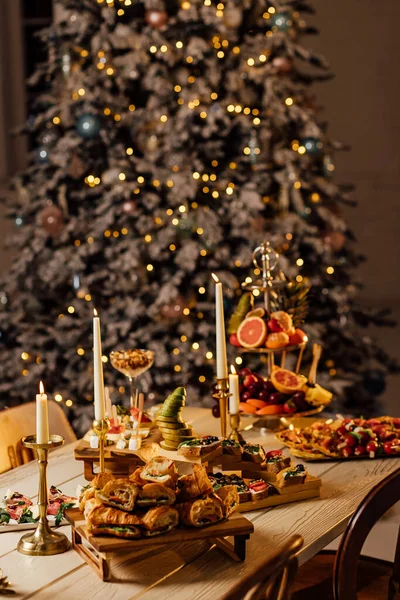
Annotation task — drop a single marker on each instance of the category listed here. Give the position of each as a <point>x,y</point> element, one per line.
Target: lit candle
<point>99,399</point>
<point>234,397</point>
<point>42,416</point>
<point>108,402</point>
<point>222,363</point>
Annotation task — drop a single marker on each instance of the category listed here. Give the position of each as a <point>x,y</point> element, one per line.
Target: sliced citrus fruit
<point>286,381</point>
<point>252,332</point>
<point>256,312</point>
<point>277,340</point>
<point>284,320</point>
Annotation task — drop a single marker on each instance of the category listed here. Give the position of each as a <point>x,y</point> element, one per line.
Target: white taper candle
<point>42,417</point>
<point>234,397</point>
<point>222,362</point>
<point>99,398</point>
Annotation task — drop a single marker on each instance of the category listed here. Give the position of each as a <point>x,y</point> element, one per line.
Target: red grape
<point>269,387</point>
<point>299,399</point>
<point>263,395</point>
<point>241,388</point>
<point>215,411</point>
<point>249,380</point>
<point>253,390</point>
<point>276,398</point>
<point>245,371</point>
<point>245,396</point>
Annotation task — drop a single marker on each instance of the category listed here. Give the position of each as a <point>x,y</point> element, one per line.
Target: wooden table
<point>186,571</point>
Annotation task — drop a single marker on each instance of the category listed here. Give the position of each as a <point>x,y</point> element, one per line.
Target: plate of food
<point>343,439</point>
<point>18,512</point>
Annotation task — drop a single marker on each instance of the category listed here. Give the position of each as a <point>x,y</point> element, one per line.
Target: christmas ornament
<point>156,18</point>
<point>42,155</point>
<point>66,64</point>
<point>174,309</point>
<point>3,298</point>
<point>19,221</point>
<point>254,147</point>
<point>281,21</point>
<point>335,240</point>
<point>129,207</point>
<point>51,219</point>
<point>233,16</point>
<point>282,64</point>
<point>76,167</point>
<point>312,145</point>
<point>76,282</point>
<point>88,125</point>
<point>152,143</point>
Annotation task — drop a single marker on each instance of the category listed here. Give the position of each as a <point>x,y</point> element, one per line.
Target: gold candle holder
<point>222,394</point>
<point>101,428</point>
<point>43,541</point>
<point>235,435</point>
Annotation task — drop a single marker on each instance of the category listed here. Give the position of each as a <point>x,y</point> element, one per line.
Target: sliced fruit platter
<point>18,512</point>
<point>285,393</point>
<point>343,439</point>
<point>265,333</point>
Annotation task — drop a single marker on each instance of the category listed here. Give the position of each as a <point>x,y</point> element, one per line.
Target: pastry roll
<point>97,483</point>
<point>195,485</point>
<point>161,470</point>
<point>102,520</point>
<point>201,512</point>
<point>160,520</point>
<point>229,497</point>
<point>136,477</point>
<point>155,494</point>
<point>120,493</point>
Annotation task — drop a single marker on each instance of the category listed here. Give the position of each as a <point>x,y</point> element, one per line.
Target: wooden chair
<point>19,421</point>
<point>354,576</point>
<point>274,579</point>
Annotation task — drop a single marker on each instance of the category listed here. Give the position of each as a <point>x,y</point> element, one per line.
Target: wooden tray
<point>290,495</point>
<point>96,550</point>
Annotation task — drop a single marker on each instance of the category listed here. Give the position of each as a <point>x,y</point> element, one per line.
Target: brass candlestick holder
<point>222,394</point>
<point>100,428</point>
<point>43,541</point>
<point>235,435</point>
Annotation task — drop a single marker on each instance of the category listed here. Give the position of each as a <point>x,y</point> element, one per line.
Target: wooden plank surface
<point>190,570</point>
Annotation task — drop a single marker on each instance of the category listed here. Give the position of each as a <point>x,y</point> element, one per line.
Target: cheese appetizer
<point>198,447</point>
<point>259,489</point>
<point>229,497</point>
<point>155,494</point>
<point>102,520</point>
<point>120,493</point>
<point>160,520</point>
<point>160,470</point>
<point>194,485</point>
<point>201,512</point>
<point>254,453</point>
<point>275,461</point>
<point>231,447</point>
<point>291,476</point>
<point>220,480</point>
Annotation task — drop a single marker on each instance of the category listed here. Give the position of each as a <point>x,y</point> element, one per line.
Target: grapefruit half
<point>252,332</point>
<point>286,381</point>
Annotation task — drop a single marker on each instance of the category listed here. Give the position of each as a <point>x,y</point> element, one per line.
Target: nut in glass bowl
<point>132,363</point>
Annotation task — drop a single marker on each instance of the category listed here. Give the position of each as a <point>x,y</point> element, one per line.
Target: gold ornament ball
<point>282,64</point>
<point>51,219</point>
<point>156,18</point>
<point>129,207</point>
<point>336,240</point>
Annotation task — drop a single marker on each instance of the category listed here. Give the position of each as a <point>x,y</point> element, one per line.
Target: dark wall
<point>361,40</point>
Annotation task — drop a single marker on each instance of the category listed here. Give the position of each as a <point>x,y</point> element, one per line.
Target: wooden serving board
<point>200,460</point>
<point>96,550</point>
<point>289,496</point>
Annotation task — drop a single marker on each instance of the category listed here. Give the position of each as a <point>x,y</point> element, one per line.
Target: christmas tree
<point>170,138</point>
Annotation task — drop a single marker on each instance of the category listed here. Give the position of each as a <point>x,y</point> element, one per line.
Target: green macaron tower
<point>170,422</point>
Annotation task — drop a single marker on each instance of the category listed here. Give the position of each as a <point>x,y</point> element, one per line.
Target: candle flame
<point>96,314</point>
<point>41,388</point>
<point>233,370</point>
<point>214,276</point>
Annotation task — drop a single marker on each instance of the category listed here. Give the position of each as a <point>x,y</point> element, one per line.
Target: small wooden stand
<point>96,550</point>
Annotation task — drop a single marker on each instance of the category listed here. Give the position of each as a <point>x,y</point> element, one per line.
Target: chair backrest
<point>379,500</point>
<point>274,579</point>
<point>19,421</point>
